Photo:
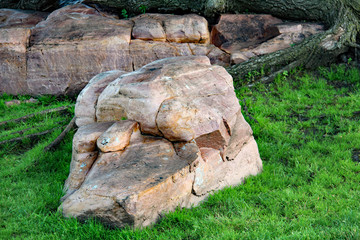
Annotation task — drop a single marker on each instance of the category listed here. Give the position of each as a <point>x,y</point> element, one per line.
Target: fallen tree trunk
<point>56,142</point>
<point>59,109</point>
<point>30,136</point>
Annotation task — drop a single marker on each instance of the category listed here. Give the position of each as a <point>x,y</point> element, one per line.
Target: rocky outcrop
<point>58,55</point>
<point>163,136</point>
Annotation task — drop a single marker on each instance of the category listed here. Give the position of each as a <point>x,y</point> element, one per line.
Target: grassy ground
<point>308,132</point>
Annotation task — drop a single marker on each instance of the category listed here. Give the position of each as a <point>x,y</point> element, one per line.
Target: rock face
<point>14,40</point>
<point>163,136</point>
<point>59,54</point>
<point>74,44</point>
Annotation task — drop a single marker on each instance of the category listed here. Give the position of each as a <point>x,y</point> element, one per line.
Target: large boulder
<point>163,136</point>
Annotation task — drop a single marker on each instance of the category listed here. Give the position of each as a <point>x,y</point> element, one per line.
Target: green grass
<point>308,132</point>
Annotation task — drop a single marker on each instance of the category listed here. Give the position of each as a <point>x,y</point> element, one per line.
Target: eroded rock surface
<point>165,135</point>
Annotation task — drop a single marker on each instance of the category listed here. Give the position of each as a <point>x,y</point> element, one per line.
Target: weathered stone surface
<point>117,137</point>
<point>169,79</point>
<point>87,99</point>
<point>14,39</point>
<point>71,46</point>
<point>189,28</point>
<point>134,186</point>
<point>204,118</point>
<point>185,138</point>
<point>241,56</point>
<point>84,154</point>
<point>237,31</point>
<point>305,28</point>
<point>144,52</point>
<point>149,27</point>
<point>13,43</point>
<point>60,54</point>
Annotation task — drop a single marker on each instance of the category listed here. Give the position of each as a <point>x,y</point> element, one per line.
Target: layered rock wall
<point>59,53</point>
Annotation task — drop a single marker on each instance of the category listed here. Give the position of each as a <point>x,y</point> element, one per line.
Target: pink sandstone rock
<point>14,39</point>
<point>13,43</point>
<point>144,52</point>
<point>189,28</point>
<point>84,154</point>
<point>117,99</point>
<point>192,140</point>
<point>60,54</point>
<point>149,27</point>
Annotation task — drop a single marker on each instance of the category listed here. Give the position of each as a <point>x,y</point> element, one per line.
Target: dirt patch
<point>355,156</point>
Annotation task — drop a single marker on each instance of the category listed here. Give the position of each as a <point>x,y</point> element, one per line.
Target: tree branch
<point>30,136</point>
<point>34,114</point>
<point>61,136</point>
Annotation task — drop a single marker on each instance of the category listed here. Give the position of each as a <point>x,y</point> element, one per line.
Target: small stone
<point>117,137</point>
